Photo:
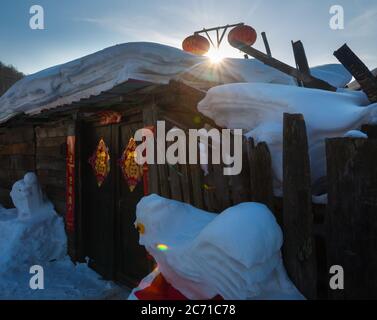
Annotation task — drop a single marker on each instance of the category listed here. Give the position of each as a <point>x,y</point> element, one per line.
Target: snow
<point>37,237</point>
<point>356,134</point>
<point>258,109</point>
<point>335,74</point>
<point>206,74</point>
<point>235,254</point>
<point>93,74</point>
<point>147,63</point>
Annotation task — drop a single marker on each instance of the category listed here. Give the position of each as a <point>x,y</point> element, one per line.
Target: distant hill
<point>8,76</point>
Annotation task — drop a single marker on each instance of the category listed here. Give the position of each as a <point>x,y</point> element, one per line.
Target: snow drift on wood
<point>235,254</point>
<point>259,108</point>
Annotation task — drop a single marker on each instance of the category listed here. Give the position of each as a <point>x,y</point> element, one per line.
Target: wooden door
<point>98,203</point>
<point>132,263</point>
<point>111,240</point>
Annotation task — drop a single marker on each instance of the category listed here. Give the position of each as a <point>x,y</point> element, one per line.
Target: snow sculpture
<point>27,196</point>
<point>235,254</point>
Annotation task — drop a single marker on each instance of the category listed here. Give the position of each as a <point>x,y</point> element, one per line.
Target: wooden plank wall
<point>51,162</point>
<point>17,157</point>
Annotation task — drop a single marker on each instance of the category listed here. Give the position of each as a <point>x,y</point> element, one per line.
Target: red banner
<point>70,185</point>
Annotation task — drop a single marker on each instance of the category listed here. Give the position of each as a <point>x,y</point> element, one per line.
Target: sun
<point>215,56</point>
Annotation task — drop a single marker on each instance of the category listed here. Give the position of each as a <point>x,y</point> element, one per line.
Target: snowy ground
<point>63,281</point>
<point>40,240</point>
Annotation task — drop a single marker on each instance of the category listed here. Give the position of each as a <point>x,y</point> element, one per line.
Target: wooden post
<point>261,189</point>
<point>300,58</point>
<point>351,217</point>
<point>299,246</point>
<point>266,44</point>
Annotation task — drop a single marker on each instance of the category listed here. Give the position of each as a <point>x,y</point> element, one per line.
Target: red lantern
<point>244,34</point>
<point>196,44</point>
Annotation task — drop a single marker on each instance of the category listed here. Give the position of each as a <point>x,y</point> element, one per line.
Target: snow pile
<point>208,74</point>
<point>33,234</point>
<point>335,74</point>
<point>235,254</point>
<point>259,108</point>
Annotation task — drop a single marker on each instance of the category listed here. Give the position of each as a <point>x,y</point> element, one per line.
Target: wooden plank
<point>175,184</point>
<point>17,148</point>
<point>197,185</point>
<point>261,185</point>
<point>58,151</point>
<point>17,135</point>
<point>351,216</point>
<point>299,246</point>
<point>51,142</point>
<point>359,70</point>
<point>150,120</point>
<point>47,163</point>
<point>300,58</point>
<point>222,190</point>
<point>240,184</point>
<point>185,183</point>
<point>52,178</point>
<point>50,132</point>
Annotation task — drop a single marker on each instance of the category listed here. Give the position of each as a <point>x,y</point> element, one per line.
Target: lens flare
<point>215,56</point>
<point>162,247</point>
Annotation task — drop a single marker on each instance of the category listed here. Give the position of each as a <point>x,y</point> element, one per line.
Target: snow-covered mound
<point>259,108</point>
<point>235,254</point>
<point>33,234</point>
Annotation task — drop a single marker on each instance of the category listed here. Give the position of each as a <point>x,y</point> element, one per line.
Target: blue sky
<point>74,28</point>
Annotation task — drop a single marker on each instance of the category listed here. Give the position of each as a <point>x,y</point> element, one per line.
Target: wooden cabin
<point>58,143</point>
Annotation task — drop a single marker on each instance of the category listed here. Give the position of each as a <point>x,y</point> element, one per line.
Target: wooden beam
<point>308,80</point>
<point>359,70</point>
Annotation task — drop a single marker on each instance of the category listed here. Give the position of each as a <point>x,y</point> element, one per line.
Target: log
<point>299,246</point>
<point>351,216</point>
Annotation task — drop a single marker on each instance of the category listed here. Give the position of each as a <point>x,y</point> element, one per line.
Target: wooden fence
<point>316,236</point>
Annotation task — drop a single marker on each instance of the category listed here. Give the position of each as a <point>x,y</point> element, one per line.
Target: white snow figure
<point>27,196</point>
<point>235,254</point>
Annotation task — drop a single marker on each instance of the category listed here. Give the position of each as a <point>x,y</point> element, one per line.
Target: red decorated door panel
<point>112,185</point>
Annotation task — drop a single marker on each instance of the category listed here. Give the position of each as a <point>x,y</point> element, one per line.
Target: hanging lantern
<point>244,34</point>
<point>196,44</point>
<point>100,162</point>
<point>132,171</point>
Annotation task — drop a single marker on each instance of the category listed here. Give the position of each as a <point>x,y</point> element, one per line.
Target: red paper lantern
<point>244,34</point>
<point>196,44</point>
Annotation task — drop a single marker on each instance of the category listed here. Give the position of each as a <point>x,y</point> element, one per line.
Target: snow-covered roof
<point>142,61</point>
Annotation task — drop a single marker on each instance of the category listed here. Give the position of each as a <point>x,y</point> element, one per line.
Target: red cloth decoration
<point>160,289</point>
